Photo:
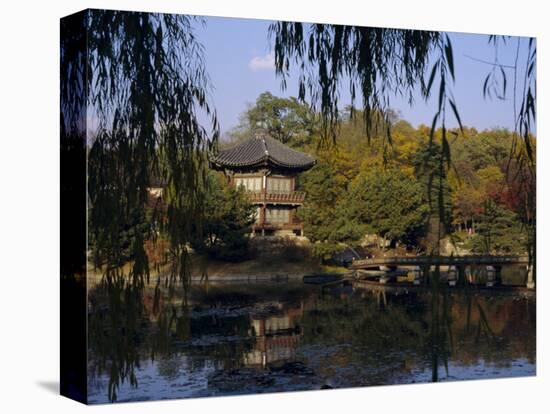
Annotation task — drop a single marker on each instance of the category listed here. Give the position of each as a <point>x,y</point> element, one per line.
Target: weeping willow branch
<point>147,88</point>
<point>375,63</point>
<point>521,166</point>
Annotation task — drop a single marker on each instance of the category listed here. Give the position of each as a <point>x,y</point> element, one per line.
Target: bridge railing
<point>441,260</point>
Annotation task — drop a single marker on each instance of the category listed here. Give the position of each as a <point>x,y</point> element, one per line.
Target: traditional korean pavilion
<point>267,169</point>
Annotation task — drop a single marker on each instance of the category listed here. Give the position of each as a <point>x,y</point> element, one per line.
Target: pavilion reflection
<point>277,334</point>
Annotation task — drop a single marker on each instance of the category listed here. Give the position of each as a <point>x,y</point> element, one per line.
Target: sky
<point>239,60</point>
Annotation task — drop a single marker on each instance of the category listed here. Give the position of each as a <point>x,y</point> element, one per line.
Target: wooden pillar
<point>491,276</point>
<point>264,189</point>
<point>461,275</point>
<point>262,215</point>
<point>291,216</point>
<point>417,272</point>
<point>469,275</point>
<point>426,273</point>
<point>262,327</point>
<point>452,275</point>
<point>498,275</point>
<point>530,277</point>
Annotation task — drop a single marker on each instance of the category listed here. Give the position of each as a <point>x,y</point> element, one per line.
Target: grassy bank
<point>266,260</point>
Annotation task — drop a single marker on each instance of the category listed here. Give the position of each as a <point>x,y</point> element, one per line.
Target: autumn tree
<point>377,63</point>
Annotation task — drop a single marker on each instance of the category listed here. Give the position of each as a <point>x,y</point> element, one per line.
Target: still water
<point>269,337</point>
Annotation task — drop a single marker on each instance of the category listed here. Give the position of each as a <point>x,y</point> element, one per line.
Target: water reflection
<point>277,334</point>
<point>247,338</point>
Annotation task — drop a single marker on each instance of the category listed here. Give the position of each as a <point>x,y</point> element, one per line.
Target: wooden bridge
<point>487,260</point>
<point>459,264</point>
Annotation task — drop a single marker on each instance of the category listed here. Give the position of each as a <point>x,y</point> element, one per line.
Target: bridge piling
<point>491,276</point>
<point>461,275</point>
<point>530,277</point>
<point>498,274</point>
<point>417,272</point>
<point>426,274</point>
<point>452,275</point>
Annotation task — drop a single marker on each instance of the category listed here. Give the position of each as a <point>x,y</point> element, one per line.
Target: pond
<point>228,339</point>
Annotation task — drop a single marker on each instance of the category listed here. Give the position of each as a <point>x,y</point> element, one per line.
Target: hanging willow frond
<point>146,89</point>
<point>376,63</point>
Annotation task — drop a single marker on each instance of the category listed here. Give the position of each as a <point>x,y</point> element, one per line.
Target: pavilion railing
<point>291,197</point>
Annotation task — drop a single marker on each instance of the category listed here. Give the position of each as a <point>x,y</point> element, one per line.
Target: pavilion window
<point>239,182</point>
<point>277,215</point>
<point>278,185</point>
<point>249,183</point>
<point>257,184</point>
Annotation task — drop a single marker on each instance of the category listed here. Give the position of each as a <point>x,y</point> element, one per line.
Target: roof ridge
<point>266,151</point>
<point>289,148</point>
<point>263,149</point>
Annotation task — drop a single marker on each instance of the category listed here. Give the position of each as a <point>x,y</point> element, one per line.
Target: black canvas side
<point>73,308</point>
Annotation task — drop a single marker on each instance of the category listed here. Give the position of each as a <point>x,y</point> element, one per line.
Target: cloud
<point>262,62</point>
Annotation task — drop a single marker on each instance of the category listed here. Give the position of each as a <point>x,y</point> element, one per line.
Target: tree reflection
<point>250,335</point>
<point>128,323</point>
<point>391,331</point>
<point>115,325</point>
<point>441,334</point>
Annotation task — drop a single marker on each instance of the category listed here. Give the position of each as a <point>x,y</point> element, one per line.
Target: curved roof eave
<point>263,151</point>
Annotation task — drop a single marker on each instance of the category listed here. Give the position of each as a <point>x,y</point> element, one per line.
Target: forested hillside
<point>403,188</point>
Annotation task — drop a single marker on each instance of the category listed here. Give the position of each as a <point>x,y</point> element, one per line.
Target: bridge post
<point>461,274</point>
<point>498,274</point>
<point>417,271</point>
<point>452,275</point>
<point>491,276</point>
<point>426,273</point>
<point>530,277</point>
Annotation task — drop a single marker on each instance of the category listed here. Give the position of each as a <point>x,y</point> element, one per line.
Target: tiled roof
<point>262,151</point>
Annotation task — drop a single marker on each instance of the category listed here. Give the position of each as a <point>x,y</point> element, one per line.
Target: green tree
<point>431,169</point>
<point>227,217</point>
<point>389,204</point>
<point>499,231</point>
<point>324,223</point>
<point>285,119</point>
